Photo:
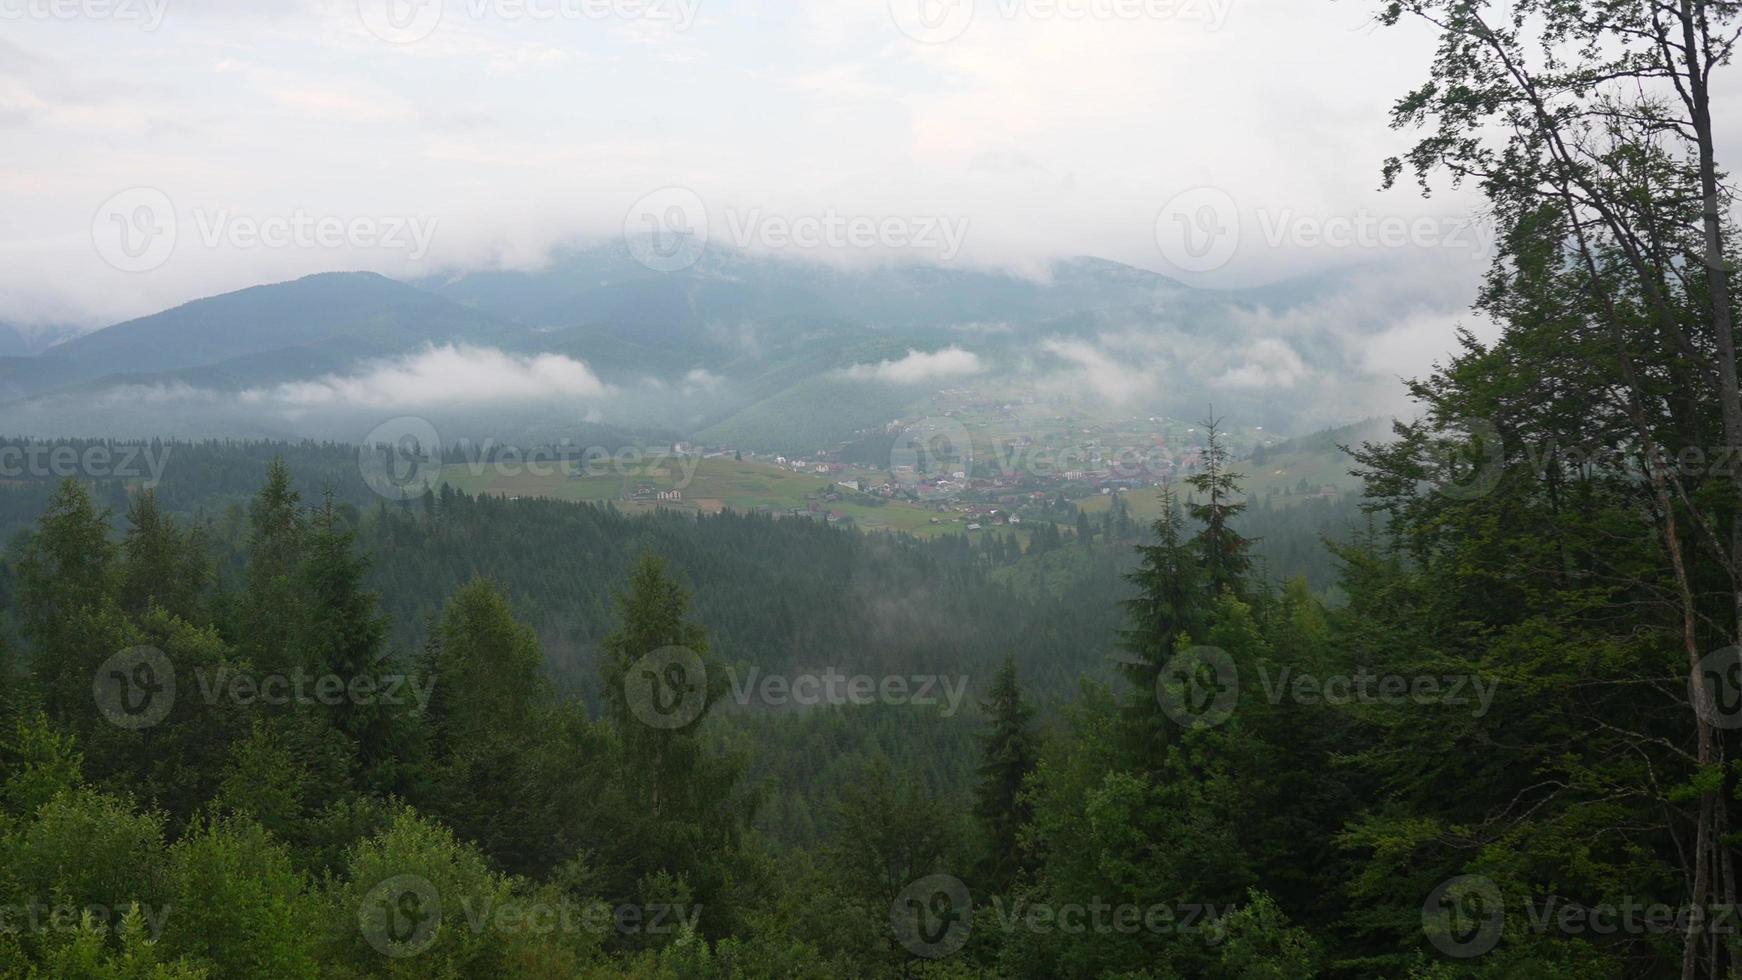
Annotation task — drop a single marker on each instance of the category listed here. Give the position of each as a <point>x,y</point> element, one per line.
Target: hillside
<point>363,313</point>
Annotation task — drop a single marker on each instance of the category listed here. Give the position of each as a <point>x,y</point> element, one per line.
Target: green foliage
<point>487,670</point>
<point>1261,945</point>
<point>65,570</point>
<point>161,565</point>
<point>87,955</point>
<point>1308,833</point>
<point>229,879</point>
<point>40,764</point>
<point>1222,551</point>
<point>380,928</point>
<point>1009,748</point>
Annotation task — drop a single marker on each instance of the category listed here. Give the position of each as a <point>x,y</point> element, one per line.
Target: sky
<point>410,136</point>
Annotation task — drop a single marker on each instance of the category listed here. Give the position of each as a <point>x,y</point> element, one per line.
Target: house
<point>671,496</point>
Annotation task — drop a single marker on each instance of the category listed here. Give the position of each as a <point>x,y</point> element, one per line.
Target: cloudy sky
<point>406,136</point>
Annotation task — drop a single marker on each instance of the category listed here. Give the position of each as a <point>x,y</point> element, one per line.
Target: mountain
<point>357,314</point>
<point>18,340</point>
<point>606,284</point>
<point>738,348</point>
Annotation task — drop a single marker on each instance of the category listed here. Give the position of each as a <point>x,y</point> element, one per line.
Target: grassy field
<point>712,485</point>
<point>722,483</point>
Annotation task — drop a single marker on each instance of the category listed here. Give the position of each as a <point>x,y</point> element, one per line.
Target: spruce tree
<point>1008,750</point>
<point>162,565</point>
<point>269,607</point>
<point>690,813</point>
<point>343,635</point>
<point>1224,554</point>
<point>1169,606</point>
<point>488,669</point>
<point>66,570</point>
<point>1169,600</point>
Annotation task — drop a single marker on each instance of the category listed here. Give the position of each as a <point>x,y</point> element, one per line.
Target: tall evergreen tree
<point>66,579</point>
<point>269,606</point>
<point>342,635</point>
<point>691,810</point>
<point>162,564</point>
<point>1224,554</point>
<point>1008,752</point>
<point>487,669</point>
<point>1169,602</point>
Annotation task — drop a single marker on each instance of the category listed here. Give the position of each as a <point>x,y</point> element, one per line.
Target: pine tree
<point>269,606</point>
<point>1223,552</point>
<point>651,616</point>
<point>342,635</point>
<point>1169,604</point>
<point>890,833</point>
<point>66,563</point>
<point>1009,752</point>
<point>66,571</point>
<point>162,565</point>
<point>689,811</point>
<point>488,667</point>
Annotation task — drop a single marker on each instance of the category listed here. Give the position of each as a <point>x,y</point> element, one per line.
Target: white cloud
<point>920,366</point>
<point>1412,347</point>
<point>701,380</point>
<point>1051,136</point>
<point>1097,373</point>
<point>451,375</point>
<point>1269,363</point>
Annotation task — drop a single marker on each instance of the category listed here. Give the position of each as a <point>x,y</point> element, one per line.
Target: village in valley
<point>966,461</point>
